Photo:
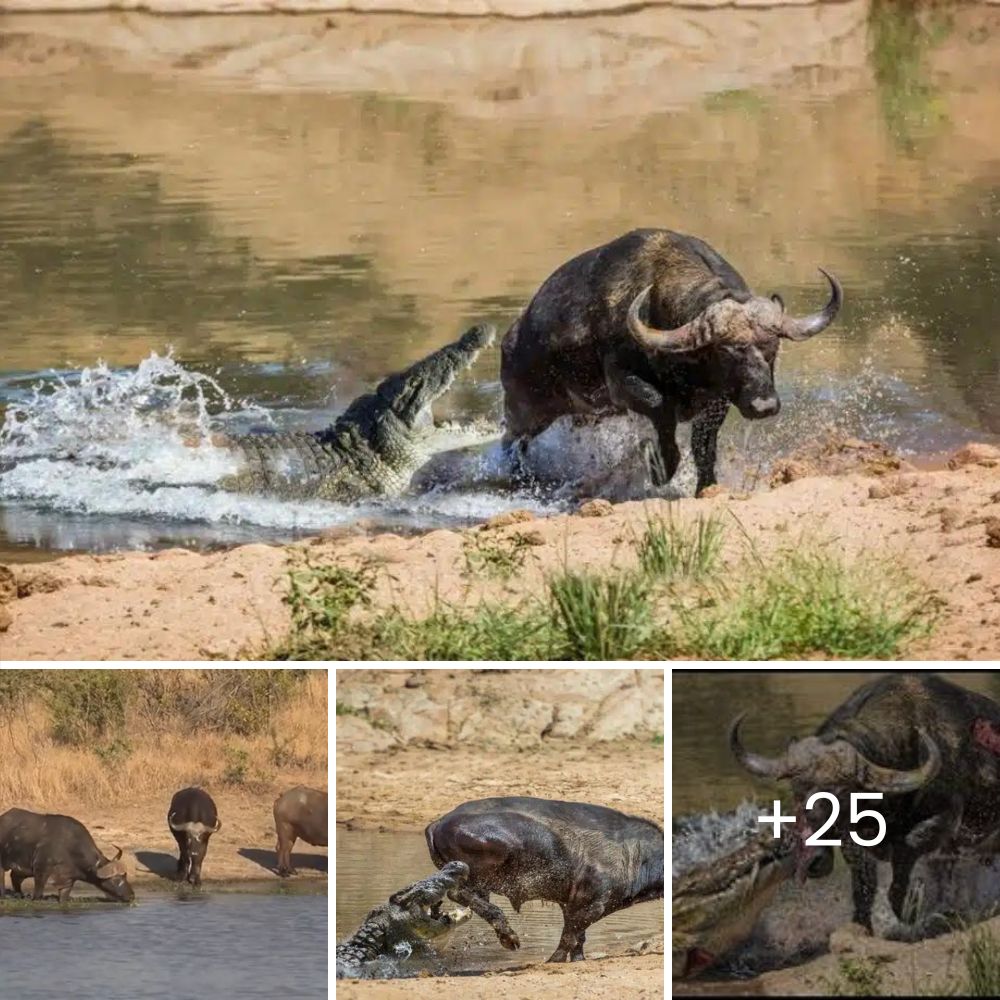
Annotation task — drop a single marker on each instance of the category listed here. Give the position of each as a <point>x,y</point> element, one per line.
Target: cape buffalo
<point>43,847</point>
<point>657,323</point>
<point>919,740</point>
<point>299,813</point>
<point>589,859</point>
<point>192,818</point>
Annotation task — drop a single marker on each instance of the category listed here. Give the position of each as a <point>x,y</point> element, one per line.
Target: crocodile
<point>727,869</point>
<point>410,916</point>
<point>372,449</point>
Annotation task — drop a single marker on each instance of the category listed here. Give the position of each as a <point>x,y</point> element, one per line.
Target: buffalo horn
<point>118,856</point>
<point>684,338</point>
<point>809,326</point>
<point>762,767</point>
<point>892,782</point>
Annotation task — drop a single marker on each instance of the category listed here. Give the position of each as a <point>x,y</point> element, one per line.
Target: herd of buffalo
<point>60,850</point>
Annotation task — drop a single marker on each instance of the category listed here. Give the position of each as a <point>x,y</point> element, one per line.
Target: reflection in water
<point>299,245</point>
<point>781,705</point>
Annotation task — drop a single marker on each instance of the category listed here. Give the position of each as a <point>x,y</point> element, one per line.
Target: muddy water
<point>781,705</point>
<point>299,243</point>
<point>213,945</point>
<point>371,866</point>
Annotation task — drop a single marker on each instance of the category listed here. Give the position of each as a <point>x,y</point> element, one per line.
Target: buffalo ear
<point>778,301</point>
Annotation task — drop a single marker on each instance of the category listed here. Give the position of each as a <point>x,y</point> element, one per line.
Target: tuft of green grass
<point>658,739</point>
<point>669,550</point>
<point>487,632</point>
<point>856,977</point>
<point>498,559</point>
<point>810,601</point>
<point>801,602</point>
<point>982,964</point>
<point>322,597</point>
<point>601,617</point>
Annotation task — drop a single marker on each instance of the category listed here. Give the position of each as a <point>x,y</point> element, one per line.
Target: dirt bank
<point>183,605</point>
<point>638,978</point>
<point>583,735</point>
<point>434,8</point>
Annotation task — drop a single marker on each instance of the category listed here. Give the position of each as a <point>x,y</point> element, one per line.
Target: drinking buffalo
<point>656,323</point>
<point>192,818</point>
<point>299,813</point>
<point>589,859</point>
<point>923,742</point>
<point>43,847</point>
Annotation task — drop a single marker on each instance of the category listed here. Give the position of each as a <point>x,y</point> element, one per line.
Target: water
<point>297,241</point>
<point>222,945</point>
<point>371,866</point>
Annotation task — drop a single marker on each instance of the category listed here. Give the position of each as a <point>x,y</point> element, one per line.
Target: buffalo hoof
<point>509,940</point>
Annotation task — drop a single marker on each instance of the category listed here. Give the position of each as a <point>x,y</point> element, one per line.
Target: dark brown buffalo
<point>192,818</point>
<point>656,323</point>
<point>300,813</point>
<point>590,860</point>
<point>57,848</point>
<point>921,741</point>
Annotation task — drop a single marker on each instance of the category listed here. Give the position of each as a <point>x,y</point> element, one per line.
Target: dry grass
<point>173,733</point>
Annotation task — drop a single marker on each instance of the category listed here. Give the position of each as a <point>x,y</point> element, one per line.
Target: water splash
<point>137,444</point>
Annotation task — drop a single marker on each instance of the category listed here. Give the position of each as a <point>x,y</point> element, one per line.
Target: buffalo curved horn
<point>808,326</point>
<point>892,782</point>
<point>218,825</point>
<point>684,338</point>
<point>170,823</point>
<point>762,767</point>
<point>118,856</point>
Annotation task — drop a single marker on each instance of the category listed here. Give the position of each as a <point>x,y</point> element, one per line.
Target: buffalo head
<point>742,340</point>
<point>110,876</point>
<point>833,764</point>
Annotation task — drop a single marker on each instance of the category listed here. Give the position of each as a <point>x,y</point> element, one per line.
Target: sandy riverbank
<point>177,604</point>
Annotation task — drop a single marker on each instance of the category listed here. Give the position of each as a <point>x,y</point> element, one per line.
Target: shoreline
<point>181,605</point>
<point>240,857</point>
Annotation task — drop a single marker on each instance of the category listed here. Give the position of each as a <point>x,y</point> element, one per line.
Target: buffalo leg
<point>630,392</point>
<point>864,881</point>
<point>16,880</point>
<point>575,924</point>
<point>903,861</point>
<point>41,877</point>
<point>704,439</point>
<point>480,905</point>
<point>283,848</point>
<point>183,861</point>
